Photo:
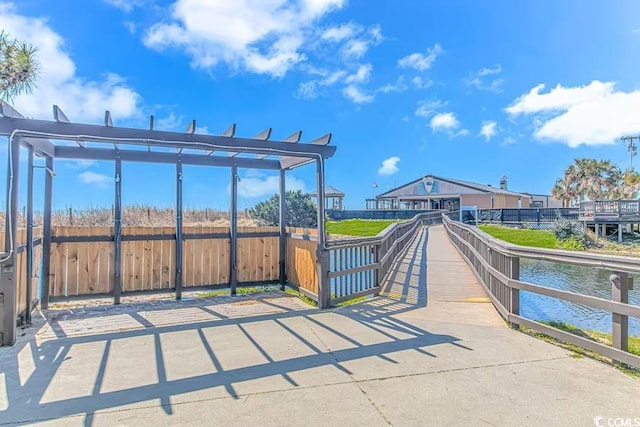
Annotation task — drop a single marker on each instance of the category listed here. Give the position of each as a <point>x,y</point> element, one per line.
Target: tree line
<point>595,180</point>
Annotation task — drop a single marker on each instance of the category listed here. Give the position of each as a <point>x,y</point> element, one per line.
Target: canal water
<point>588,281</point>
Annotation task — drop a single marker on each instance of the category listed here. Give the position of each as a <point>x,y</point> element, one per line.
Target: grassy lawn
<point>600,337</point>
<point>357,227</point>
<point>524,237</point>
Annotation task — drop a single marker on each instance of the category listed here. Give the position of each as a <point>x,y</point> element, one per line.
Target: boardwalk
<point>432,351</point>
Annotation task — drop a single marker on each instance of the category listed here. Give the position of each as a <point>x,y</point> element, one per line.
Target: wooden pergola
<point>107,142</point>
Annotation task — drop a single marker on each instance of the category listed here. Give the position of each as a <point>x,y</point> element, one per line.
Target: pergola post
<point>179,230</point>
<point>283,230</point>
<point>29,247</point>
<point>117,234</point>
<point>8,279</point>
<point>233,232</point>
<point>322,255</point>
<point>46,234</point>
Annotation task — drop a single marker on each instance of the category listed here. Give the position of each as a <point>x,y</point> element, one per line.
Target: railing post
<point>620,323</point>
<point>514,294</point>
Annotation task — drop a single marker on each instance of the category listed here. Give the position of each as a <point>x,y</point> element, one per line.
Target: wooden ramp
<point>432,271</point>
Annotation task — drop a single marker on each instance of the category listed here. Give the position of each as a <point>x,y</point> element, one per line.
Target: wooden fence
<point>21,267</point>
<point>301,260</point>
<point>496,264</point>
<point>82,258</point>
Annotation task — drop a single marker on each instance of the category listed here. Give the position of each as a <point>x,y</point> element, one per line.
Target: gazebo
<point>333,198</point>
<point>63,139</point>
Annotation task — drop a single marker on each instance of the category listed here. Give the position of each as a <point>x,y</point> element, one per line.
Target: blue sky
<point>467,89</point>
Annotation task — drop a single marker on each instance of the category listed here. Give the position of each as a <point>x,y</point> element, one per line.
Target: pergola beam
<point>131,136</point>
<point>63,152</point>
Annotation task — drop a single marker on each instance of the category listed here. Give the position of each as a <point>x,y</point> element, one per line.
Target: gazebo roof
<point>329,191</point>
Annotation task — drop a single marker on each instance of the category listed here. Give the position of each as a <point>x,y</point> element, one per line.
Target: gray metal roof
<point>454,186</point>
<point>329,191</point>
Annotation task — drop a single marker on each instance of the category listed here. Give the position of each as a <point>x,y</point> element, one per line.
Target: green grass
<point>303,297</point>
<point>357,227</point>
<point>600,337</point>
<point>239,291</point>
<point>524,237</point>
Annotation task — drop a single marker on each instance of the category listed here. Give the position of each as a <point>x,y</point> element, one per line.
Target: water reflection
<point>588,281</point>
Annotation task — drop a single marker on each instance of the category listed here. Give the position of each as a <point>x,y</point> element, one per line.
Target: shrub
<point>572,244</point>
<point>565,228</point>
<point>301,212</point>
<point>571,235</point>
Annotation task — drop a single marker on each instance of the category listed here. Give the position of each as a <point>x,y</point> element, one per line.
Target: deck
<point>433,351</point>
<point>610,211</point>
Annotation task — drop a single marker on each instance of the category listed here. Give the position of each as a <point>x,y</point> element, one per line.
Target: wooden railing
<point>496,264</point>
<point>609,210</point>
<point>357,266</point>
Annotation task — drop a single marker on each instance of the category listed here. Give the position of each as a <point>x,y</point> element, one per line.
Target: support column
<point>46,235</point>
<point>283,230</point>
<point>233,232</point>
<point>8,279</point>
<point>514,297</point>
<point>117,235</point>
<point>597,230</point>
<point>29,247</point>
<point>322,255</point>
<point>619,232</point>
<point>620,324</point>
<point>179,230</point>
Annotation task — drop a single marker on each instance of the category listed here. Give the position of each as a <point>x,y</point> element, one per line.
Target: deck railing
<point>496,264</point>
<point>609,209</point>
<point>357,266</point>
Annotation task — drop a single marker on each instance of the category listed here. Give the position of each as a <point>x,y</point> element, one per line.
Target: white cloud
<point>420,83</point>
<point>447,122</point>
<point>389,166</point>
<point>509,141</point>
<point>172,122</point>
<point>78,164</point>
<point>635,31</point>
<point>341,32</point>
<point>355,49</point>
<point>307,90</point>
<point>126,5</point>
<point>362,75</point>
<point>398,86</point>
<point>93,178</point>
<point>419,61</point>
<point>256,184</point>
<point>264,37</point>
<point>81,99</point>
<point>592,115</point>
<point>489,130</point>
<point>485,79</point>
<point>427,108</point>
<point>356,95</point>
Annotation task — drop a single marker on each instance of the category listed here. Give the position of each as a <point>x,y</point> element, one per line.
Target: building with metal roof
<point>436,192</point>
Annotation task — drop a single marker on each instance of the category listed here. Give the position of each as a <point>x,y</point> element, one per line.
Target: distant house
<point>435,192</point>
<point>545,201</point>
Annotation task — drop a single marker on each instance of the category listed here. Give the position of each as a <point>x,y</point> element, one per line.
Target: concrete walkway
<point>432,352</point>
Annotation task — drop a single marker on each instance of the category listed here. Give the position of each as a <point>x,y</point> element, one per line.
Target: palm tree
<point>19,67</point>
<point>564,190</point>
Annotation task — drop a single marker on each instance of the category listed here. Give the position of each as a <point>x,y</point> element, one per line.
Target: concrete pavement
<point>432,351</point>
